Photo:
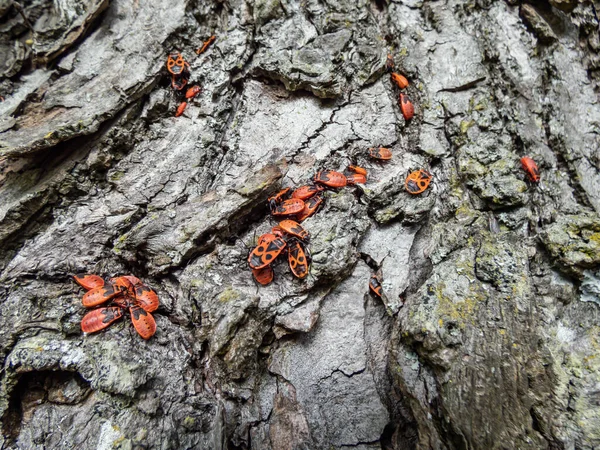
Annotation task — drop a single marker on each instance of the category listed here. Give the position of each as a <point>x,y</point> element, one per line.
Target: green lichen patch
<point>228,295</point>
<point>574,241</point>
<point>502,263</point>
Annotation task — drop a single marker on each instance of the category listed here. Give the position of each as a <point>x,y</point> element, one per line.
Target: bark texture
<point>488,336</point>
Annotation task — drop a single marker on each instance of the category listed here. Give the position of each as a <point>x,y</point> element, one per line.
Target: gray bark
<point>488,335</point>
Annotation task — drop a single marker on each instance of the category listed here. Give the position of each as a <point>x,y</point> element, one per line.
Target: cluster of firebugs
<point>291,238</point>
<point>114,298</point>
<point>128,293</point>
<point>179,70</point>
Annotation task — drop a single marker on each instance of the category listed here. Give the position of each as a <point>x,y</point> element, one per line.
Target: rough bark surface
<point>488,336</point>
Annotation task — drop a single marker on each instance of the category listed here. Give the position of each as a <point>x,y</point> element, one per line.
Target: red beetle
<point>176,65</point>
<point>102,294</point>
<point>356,178</point>
<point>288,207</point>
<point>294,228</point>
<point>531,169</point>
<point>400,80</point>
<point>278,198</point>
<point>205,45</point>
<point>330,178</point>
<point>100,318</point>
<point>380,153</point>
<point>311,206</point>
<point>143,322</point>
<point>417,181</point>
<point>298,260</point>
<point>265,253</point>
<point>357,169</point>
<point>306,192</point>
<point>263,276</point>
<point>88,282</point>
<point>375,286</point>
<point>180,109</point>
<point>193,91</point>
<point>408,110</point>
<point>146,298</point>
<point>179,70</point>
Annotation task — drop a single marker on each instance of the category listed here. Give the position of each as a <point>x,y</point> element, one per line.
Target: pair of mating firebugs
<point>406,106</point>
<point>306,200</point>
<point>336,180</point>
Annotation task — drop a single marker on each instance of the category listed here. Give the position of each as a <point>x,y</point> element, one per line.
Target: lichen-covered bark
<point>488,334</point>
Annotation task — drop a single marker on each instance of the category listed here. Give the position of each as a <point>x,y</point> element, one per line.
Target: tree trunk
<point>487,335</point>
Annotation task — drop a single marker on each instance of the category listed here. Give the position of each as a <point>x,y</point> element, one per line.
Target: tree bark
<point>487,335</point>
